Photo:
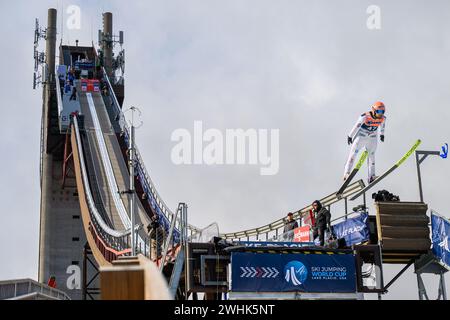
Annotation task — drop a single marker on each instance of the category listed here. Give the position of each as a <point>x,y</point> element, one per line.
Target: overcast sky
<point>307,68</point>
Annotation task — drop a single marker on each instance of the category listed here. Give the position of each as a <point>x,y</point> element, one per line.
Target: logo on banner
<point>263,272</point>
<point>295,272</point>
<point>301,234</point>
<point>329,273</point>
<point>440,233</point>
<point>354,230</point>
<point>444,244</point>
<point>315,273</point>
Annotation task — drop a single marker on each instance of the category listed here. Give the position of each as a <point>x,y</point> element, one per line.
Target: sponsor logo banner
<point>313,273</point>
<point>354,230</point>
<point>440,229</point>
<point>256,244</point>
<point>302,234</point>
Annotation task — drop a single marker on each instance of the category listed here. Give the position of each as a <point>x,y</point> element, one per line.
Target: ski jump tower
<point>62,238</point>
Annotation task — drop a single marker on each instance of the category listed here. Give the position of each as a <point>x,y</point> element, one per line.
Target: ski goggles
<point>379,111</point>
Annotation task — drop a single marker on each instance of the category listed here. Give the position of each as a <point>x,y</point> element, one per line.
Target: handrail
<point>25,288</point>
<point>289,235</point>
<point>197,237</point>
<point>58,98</point>
<point>172,227</point>
<point>112,252</point>
<point>345,216</point>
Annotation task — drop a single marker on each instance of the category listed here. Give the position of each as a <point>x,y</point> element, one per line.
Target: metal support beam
<point>364,200</point>
<point>399,274</point>
<point>346,207</point>
<point>442,289</point>
<point>87,290</point>
<point>176,273</point>
<point>419,177</point>
<point>66,160</point>
<point>184,230</point>
<point>169,237</point>
<point>379,269</point>
<point>421,288</point>
<point>442,293</point>
<point>419,161</point>
<point>132,191</point>
<point>423,158</point>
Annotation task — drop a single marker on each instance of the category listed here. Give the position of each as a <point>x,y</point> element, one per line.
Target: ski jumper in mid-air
<point>364,135</point>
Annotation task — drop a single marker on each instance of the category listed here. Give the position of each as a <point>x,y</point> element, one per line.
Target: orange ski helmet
<point>378,107</point>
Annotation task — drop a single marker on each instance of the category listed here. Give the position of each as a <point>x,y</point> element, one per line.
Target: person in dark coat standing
<point>156,235</point>
<point>289,226</point>
<point>74,94</point>
<point>322,223</point>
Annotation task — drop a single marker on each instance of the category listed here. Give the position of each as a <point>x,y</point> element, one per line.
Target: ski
<point>384,175</point>
<point>352,174</point>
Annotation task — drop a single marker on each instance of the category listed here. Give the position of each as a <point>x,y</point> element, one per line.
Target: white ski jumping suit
<point>364,135</point>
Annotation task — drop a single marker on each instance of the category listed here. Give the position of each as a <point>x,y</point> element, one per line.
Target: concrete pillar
<point>46,193</point>
<point>107,44</point>
<point>51,44</point>
<point>44,229</point>
<point>47,159</point>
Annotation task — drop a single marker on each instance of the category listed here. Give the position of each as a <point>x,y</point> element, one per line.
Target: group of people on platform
<point>321,224</point>
<point>67,84</point>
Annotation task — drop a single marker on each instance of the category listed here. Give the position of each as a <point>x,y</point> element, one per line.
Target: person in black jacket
<point>156,235</point>
<point>322,223</point>
<point>74,94</point>
<point>289,226</point>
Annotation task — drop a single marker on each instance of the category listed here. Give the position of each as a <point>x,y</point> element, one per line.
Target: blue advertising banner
<point>256,244</point>
<point>312,273</point>
<point>440,229</point>
<point>354,230</point>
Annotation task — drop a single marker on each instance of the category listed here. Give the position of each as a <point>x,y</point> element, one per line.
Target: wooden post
<point>133,278</point>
